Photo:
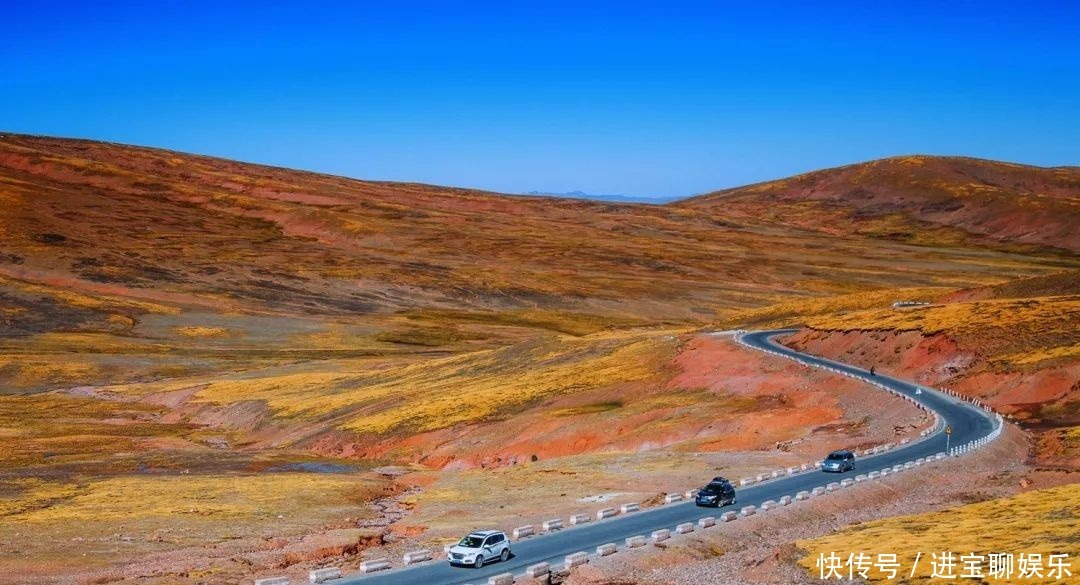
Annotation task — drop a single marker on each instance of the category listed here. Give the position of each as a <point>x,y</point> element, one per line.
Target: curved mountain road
<point>969,423</point>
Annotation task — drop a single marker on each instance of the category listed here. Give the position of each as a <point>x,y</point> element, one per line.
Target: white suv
<point>479,548</point>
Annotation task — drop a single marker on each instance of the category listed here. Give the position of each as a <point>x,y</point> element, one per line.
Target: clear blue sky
<point>649,99</point>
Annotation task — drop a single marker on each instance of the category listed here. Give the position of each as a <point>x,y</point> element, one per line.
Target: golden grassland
<point>97,302</point>
<point>793,311</point>
<point>578,324</point>
<point>78,467</point>
<point>1044,521</point>
<point>465,307</point>
<point>1010,332</point>
<point>440,392</point>
<point>219,497</point>
<point>50,430</point>
<point>197,331</point>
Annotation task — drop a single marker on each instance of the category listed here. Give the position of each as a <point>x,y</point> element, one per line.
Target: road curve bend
<point>971,426</point>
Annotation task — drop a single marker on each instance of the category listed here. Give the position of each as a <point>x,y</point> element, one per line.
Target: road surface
<point>968,423</point>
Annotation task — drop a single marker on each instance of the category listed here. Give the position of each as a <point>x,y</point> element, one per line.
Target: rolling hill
<point>928,199</point>
<point>170,323</point>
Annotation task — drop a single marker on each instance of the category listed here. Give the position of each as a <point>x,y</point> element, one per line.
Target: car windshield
<point>471,541</point>
<point>714,487</point>
<point>836,457</point>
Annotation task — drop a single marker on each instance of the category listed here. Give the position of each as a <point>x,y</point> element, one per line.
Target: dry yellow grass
<point>43,370</point>
<point>1038,356</point>
<point>25,495</point>
<point>234,497</point>
<point>1042,522</point>
<point>100,343</point>
<point>442,392</point>
<point>562,322</point>
<point>1010,332</point>
<point>102,303</point>
<point>961,317</point>
<point>792,311</point>
<point>195,331</point>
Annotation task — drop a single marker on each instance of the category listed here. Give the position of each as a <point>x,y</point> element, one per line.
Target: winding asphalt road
<point>968,423</point>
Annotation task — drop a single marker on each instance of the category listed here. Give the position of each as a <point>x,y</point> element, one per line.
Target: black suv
<point>718,493</point>
<point>839,461</point>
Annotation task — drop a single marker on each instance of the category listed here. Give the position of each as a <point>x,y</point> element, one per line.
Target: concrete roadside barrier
<point>537,570</point>
<point>860,478</point>
<point>672,498</point>
<point>605,513</point>
<point>684,528</point>
<point>416,556</point>
<point>628,508</point>
<point>635,542</point>
<point>785,500</point>
<point>707,522</point>
<point>832,487</point>
<point>749,510</point>
<point>523,531</point>
<point>817,491</point>
<point>803,495</point>
<point>550,525</point>
<point>847,482</point>
<point>324,574</point>
<point>728,516</point>
<point>272,581</point>
<point>768,505</point>
<point>762,477</point>
<point>874,475</point>
<point>606,549</point>
<point>792,470</point>
<point>661,535</point>
<point>691,494</point>
<point>575,560</point>
<point>897,468</point>
<point>909,465</point>
<point>580,519</point>
<point>746,481</point>
<point>501,579</point>
<point>374,565</point>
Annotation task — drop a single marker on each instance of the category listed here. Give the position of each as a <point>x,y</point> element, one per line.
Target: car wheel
<point>505,555</point>
<point>479,564</point>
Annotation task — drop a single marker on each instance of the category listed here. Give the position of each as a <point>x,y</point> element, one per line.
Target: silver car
<point>480,547</point>
<point>839,462</point>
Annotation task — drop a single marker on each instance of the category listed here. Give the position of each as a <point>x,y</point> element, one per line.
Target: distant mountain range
<point>612,198</point>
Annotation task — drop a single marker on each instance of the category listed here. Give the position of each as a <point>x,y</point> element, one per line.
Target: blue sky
<point>644,99</point>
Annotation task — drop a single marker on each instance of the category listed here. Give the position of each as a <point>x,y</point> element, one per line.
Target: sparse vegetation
<point>1041,522</point>
<point>797,311</point>
<point>589,408</point>
<point>246,319</point>
<point>1010,332</point>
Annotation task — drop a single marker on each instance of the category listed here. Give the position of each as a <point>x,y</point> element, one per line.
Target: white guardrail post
<point>939,421</point>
